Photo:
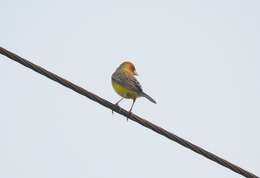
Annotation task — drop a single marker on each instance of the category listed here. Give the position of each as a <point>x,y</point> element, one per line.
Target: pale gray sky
<point>198,59</point>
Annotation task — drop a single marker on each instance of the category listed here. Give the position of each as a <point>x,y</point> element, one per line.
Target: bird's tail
<point>148,97</point>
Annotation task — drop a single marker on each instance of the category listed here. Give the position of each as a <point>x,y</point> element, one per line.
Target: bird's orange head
<point>128,67</point>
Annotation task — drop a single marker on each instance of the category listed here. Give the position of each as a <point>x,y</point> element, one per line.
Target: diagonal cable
<point>123,112</point>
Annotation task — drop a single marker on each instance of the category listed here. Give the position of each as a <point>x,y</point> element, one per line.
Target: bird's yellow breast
<point>124,92</point>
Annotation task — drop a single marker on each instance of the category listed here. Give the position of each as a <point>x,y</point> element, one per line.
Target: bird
<point>126,85</point>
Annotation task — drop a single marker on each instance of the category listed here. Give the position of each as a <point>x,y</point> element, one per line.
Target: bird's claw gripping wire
<point>117,105</point>
<point>129,115</point>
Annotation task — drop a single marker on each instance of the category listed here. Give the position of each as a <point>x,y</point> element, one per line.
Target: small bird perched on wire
<point>126,85</point>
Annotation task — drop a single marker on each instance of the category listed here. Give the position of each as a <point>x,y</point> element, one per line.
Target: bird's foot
<point>129,115</point>
<point>116,105</point>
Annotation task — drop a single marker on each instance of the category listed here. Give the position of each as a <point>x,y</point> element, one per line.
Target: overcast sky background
<point>198,59</point>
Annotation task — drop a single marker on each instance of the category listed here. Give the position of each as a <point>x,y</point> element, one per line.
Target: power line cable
<point>125,113</point>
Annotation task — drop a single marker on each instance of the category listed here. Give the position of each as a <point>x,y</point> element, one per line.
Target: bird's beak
<point>135,73</point>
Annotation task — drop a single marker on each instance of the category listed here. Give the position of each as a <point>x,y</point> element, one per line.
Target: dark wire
<point>125,113</point>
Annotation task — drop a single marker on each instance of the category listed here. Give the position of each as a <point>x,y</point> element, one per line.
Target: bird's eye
<point>133,68</point>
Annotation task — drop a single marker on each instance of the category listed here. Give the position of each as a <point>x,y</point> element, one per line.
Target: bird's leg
<point>130,111</point>
<point>117,104</point>
<point>119,101</point>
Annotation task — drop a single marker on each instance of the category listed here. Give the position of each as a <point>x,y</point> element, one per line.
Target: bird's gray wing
<point>130,83</point>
